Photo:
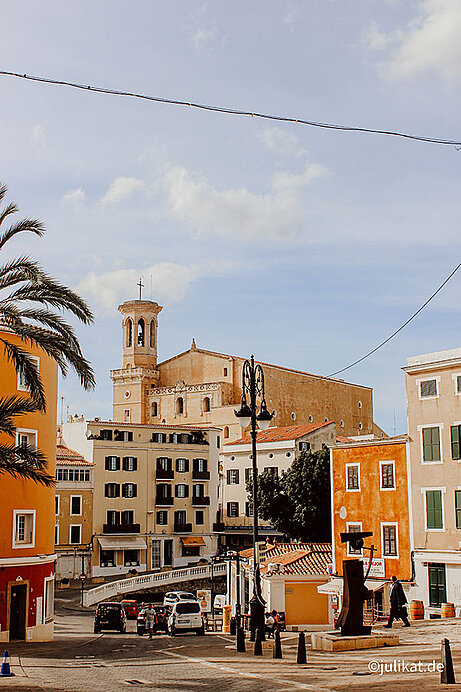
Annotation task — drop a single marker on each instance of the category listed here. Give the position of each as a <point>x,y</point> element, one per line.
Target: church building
<point>203,387</point>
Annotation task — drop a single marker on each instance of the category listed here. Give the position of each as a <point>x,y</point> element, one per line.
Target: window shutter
<point>229,477</point>
<point>107,464</point>
<point>124,492</point>
<point>186,465</point>
<point>135,490</point>
<point>186,491</point>
<point>455,430</point>
<point>229,511</point>
<point>135,463</point>
<point>125,464</point>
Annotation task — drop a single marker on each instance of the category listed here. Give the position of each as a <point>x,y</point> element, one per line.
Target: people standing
<point>270,622</point>
<point>398,601</point>
<point>150,620</point>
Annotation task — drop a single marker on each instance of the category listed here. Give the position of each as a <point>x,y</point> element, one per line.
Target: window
<point>218,441</point>
<point>158,437</point>
<point>130,463</point>
<point>131,558</point>
<point>129,490</point>
<point>427,388</point>
<point>179,406</point>
<point>113,517</point>
<point>127,517</point>
<point>181,490</point>
<point>293,416</point>
<point>288,454</point>
<point>437,584</point>
<point>225,372</point>
<point>458,508</point>
<point>248,509</point>
<point>270,455</point>
<point>155,554</point>
<point>232,509</point>
<point>154,409</point>
<point>353,528</point>
<point>182,465</point>
<point>387,475</point>
<point>198,490</point>
<point>455,442</point>
<point>206,404</point>
<point>106,558</point>
<point>458,384</point>
<point>162,517</point>
<point>199,517</point>
<point>112,464</point>
<point>141,332</point>
<point>226,432</point>
<point>49,598</point>
<point>112,490</point>
<point>271,469</point>
<point>311,419</point>
<point>341,422</point>
<point>127,415</point>
<point>180,517</point>
<point>21,380</point>
<point>23,528</point>
<point>389,538</point>
<point>431,444</point>
<point>304,446</point>
<point>26,438</point>
<point>233,477</point>
<point>129,332</point>
<point>61,474</point>
<point>200,465</point>
<point>190,550</point>
<point>152,334</point>
<point>163,490</point>
<point>75,505</point>
<point>56,505</point>
<point>248,475</point>
<point>56,534</point>
<point>352,477</point>
<point>360,404</point>
<point>123,435</point>
<point>434,509</point>
<point>105,434</point>
<point>164,464</point>
<point>75,534</point>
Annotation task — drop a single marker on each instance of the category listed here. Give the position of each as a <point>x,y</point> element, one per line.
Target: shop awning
<point>122,543</point>
<point>193,540</point>
<point>335,586</point>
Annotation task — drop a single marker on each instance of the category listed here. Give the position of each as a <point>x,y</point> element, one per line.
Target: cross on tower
<point>141,286</point>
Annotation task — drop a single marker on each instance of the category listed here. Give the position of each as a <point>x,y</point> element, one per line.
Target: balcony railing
<point>164,474</point>
<point>200,500</point>
<point>121,528</point>
<point>182,528</point>
<point>200,475</point>
<point>164,501</point>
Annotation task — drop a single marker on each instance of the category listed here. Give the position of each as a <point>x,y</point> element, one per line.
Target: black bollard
<point>240,639</point>
<point>252,635</point>
<point>302,658</point>
<point>258,646</point>
<point>233,625</point>
<point>447,675</point>
<point>277,653</point>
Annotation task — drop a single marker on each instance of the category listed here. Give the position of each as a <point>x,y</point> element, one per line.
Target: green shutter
<point>458,508</point>
<point>455,430</point>
<point>431,444</point>
<point>434,509</point>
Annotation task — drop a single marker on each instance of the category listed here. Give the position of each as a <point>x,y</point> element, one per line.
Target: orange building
<point>27,516</point>
<point>370,493</point>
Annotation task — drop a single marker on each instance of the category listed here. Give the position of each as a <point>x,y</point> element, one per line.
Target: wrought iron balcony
<point>121,528</point>
<point>164,501</point>
<point>183,528</point>
<point>200,500</point>
<point>200,475</point>
<point>164,474</point>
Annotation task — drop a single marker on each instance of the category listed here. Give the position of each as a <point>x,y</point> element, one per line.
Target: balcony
<point>164,474</point>
<point>164,501</point>
<point>218,526</point>
<point>121,528</point>
<point>200,501</point>
<point>200,475</point>
<point>183,528</point>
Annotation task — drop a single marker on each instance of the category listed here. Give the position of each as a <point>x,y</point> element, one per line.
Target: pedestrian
<point>270,622</point>
<point>150,620</point>
<point>398,601</point>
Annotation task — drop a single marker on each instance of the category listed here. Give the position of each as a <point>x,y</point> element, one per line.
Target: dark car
<point>109,616</point>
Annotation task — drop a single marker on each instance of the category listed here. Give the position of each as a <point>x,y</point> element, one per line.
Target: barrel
<point>448,610</point>
<point>417,610</point>
<point>226,617</point>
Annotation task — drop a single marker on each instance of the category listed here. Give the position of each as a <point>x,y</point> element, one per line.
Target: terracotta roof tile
<point>70,457</point>
<point>296,558</point>
<point>291,432</point>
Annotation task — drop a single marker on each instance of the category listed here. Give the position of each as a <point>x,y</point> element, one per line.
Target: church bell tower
<point>139,361</point>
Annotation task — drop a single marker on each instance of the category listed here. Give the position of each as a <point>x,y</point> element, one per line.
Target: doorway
<point>168,552</point>
<point>18,603</point>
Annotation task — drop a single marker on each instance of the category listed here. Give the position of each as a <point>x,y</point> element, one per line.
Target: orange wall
<point>370,505</point>
<point>303,605</point>
<point>21,494</point>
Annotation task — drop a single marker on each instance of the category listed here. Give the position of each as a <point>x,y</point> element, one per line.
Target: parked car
<point>131,609</point>
<point>174,596</point>
<point>219,603</point>
<point>161,624</point>
<point>186,616</point>
<point>109,616</point>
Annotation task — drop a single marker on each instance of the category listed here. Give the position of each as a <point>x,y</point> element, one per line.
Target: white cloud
<point>281,142</point>
<point>75,198</point>
<point>121,189</point>
<point>430,44</point>
<point>375,39</point>
<point>207,38</point>
<point>239,213</point>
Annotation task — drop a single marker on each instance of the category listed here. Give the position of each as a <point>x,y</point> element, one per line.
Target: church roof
<point>291,432</point>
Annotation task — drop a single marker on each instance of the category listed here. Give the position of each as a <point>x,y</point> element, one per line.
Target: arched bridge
<point>150,581</point>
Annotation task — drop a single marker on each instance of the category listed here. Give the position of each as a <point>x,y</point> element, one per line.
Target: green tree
<point>297,503</point>
<point>31,307</point>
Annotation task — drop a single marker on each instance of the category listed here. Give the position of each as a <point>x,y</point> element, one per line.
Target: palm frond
<point>9,209</point>
<point>23,362</point>
<point>25,462</point>
<point>12,316</point>
<point>25,225</point>
<point>12,406</point>
<point>3,191</point>
<point>19,269</point>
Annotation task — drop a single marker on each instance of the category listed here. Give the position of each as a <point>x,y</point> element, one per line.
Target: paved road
<point>80,661</point>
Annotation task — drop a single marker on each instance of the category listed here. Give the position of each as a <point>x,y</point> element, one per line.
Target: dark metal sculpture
<point>354,590</point>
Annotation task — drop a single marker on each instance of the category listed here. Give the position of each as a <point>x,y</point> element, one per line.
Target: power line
<point>233,111</point>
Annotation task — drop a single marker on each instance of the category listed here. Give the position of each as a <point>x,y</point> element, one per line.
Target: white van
<point>186,616</point>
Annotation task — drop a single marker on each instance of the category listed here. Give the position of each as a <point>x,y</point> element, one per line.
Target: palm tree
<point>31,303</point>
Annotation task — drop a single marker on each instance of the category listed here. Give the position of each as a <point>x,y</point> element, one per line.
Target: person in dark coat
<point>398,601</point>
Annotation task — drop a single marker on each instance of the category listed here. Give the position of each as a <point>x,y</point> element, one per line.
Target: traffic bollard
<point>277,653</point>
<point>258,651</point>
<point>302,658</point>
<point>240,640</point>
<point>447,674</point>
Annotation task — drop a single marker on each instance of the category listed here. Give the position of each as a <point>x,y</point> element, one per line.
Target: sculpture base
<point>333,641</point>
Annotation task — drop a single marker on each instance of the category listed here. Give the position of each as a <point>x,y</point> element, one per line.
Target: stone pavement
<point>79,661</point>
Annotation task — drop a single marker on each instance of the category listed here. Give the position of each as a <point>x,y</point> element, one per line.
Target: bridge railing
<point>146,581</point>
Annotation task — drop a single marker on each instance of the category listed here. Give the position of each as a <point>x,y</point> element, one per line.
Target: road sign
<point>82,577</point>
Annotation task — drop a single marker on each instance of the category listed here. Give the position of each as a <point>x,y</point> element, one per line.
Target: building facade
<point>203,387</point>
<point>433,386</point>
<point>73,527</point>
<point>27,554</point>
<point>155,493</point>
<point>276,450</point>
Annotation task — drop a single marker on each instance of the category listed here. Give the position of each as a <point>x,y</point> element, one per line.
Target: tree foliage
<point>297,503</point>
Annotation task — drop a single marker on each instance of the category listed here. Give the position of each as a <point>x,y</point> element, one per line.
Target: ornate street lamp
<point>253,388</point>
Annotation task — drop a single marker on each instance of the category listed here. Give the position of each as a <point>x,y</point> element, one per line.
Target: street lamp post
<point>253,388</point>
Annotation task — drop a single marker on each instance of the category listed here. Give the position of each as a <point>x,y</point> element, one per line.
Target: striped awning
<point>122,543</point>
<point>193,540</point>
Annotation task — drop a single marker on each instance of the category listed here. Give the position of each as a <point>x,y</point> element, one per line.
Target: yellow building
<point>26,516</point>
<point>73,513</point>
<point>204,387</point>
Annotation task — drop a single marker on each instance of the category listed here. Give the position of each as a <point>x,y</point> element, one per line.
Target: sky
<point>304,246</point>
